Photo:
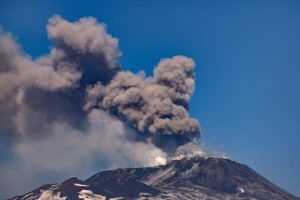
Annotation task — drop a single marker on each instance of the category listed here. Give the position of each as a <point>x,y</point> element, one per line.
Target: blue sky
<point>248,64</point>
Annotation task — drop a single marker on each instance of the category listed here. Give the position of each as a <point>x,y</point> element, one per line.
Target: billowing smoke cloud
<point>84,44</point>
<point>75,109</point>
<point>18,74</point>
<point>155,106</point>
<point>67,152</point>
<point>34,93</point>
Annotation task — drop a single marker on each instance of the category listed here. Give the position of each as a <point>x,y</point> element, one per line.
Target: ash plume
<point>19,73</point>
<point>36,93</point>
<point>84,44</point>
<point>155,106</point>
<point>75,108</point>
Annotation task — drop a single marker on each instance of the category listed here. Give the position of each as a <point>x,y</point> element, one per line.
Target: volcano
<point>188,178</point>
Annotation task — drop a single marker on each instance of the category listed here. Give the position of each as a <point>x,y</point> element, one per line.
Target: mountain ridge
<point>187,178</point>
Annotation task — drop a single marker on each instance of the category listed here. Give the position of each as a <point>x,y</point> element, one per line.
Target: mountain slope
<point>188,178</point>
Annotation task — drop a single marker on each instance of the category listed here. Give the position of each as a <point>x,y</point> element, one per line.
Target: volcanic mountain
<point>188,178</point>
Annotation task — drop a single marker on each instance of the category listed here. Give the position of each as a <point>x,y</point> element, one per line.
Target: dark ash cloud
<point>75,107</point>
<point>155,106</point>
<point>85,44</point>
<point>36,93</point>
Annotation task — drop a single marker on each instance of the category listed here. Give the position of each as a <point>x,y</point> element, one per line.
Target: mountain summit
<point>188,178</point>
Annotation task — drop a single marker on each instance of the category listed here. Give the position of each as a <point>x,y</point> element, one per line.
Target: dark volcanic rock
<point>188,178</point>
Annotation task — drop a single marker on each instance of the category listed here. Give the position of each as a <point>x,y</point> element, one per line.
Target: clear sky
<point>248,64</point>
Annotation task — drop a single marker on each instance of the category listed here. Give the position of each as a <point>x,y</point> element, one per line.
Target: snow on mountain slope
<point>188,178</point>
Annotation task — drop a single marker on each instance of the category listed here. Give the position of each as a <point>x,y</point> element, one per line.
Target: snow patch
<point>241,190</point>
<point>50,195</point>
<point>80,185</point>
<point>145,194</point>
<point>89,195</point>
<point>161,176</point>
<point>29,196</point>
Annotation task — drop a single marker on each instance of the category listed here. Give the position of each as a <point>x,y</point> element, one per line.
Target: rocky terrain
<point>188,178</point>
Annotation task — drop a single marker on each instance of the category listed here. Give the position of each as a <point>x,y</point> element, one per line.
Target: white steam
<point>67,152</point>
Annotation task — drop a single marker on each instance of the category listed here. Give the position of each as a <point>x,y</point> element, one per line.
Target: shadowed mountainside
<point>188,178</point>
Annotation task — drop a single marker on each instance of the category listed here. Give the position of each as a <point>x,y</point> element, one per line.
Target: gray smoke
<point>155,106</point>
<point>68,152</point>
<point>74,108</point>
<point>19,73</point>
<point>84,44</point>
<point>36,93</point>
